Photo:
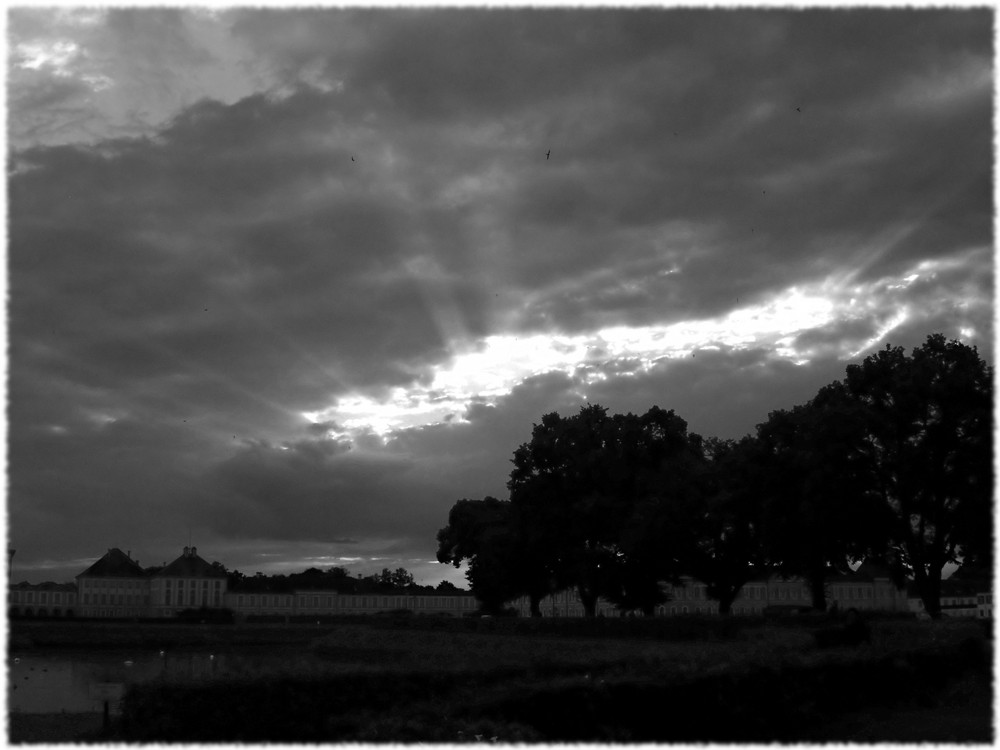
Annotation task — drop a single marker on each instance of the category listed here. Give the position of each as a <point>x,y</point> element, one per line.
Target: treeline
<point>892,464</point>
<point>336,579</point>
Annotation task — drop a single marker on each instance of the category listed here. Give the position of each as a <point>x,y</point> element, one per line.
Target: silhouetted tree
<point>483,532</point>
<point>927,447</point>
<point>580,486</point>
<point>400,578</point>
<point>725,548</point>
<point>817,516</point>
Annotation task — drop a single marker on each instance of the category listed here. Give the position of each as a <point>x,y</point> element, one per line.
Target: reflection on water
<point>41,682</point>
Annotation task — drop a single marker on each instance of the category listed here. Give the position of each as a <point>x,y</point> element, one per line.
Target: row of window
<point>42,611</point>
<point>28,597</point>
<point>170,583</point>
<point>355,602</point>
<point>119,599</point>
<point>111,584</point>
<point>852,592</point>
<point>709,610</point>
<point>697,593</point>
<point>193,598</point>
<point>115,612</point>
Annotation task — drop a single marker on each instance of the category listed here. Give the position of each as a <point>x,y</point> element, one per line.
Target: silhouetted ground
<point>963,714</point>
<point>55,728</point>
<point>374,680</point>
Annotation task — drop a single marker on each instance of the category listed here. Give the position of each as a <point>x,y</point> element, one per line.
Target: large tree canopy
<point>591,487</point>
<point>926,445</point>
<point>816,515</point>
<point>724,546</point>
<point>482,532</point>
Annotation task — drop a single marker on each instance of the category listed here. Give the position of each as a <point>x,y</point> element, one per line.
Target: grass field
<point>429,679</point>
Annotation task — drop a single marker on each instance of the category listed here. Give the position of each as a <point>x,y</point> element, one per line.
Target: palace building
<point>117,586</point>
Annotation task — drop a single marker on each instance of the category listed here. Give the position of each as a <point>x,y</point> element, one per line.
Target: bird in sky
<point>547,154</point>
<point>797,109</point>
<point>352,158</point>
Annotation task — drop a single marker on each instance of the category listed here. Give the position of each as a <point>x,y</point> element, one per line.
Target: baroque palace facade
<point>117,587</point>
<point>869,588</point>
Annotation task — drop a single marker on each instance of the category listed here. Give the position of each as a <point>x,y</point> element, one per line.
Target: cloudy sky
<point>287,284</point>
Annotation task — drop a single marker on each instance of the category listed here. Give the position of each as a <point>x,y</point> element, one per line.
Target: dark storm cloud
<point>657,95</point>
<point>691,115</point>
<point>179,299</point>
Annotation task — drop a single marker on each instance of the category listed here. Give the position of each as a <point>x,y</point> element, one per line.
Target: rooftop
<point>114,564</point>
<point>190,565</point>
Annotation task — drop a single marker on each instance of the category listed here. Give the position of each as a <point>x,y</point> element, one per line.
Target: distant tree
<point>447,587</point>
<point>400,578</point>
<point>234,579</point>
<point>927,446</point>
<point>340,579</point>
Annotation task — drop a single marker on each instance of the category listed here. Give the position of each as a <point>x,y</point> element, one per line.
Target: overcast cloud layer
<point>287,284</point>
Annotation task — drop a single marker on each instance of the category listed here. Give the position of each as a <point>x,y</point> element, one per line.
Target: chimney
<point>187,552</point>
<point>194,551</point>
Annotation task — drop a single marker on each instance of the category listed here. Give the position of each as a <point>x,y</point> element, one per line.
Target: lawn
<point>428,679</point>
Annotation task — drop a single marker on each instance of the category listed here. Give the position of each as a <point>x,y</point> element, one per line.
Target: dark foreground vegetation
<point>572,680</point>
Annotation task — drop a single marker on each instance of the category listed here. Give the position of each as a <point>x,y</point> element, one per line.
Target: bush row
<point>744,705</point>
<point>763,704</point>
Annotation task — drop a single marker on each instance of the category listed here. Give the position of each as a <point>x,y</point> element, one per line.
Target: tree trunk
<point>726,602</point>
<point>589,601</point>
<point>817,591</point>
<point>536,605</point>
<point>929,588</point>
